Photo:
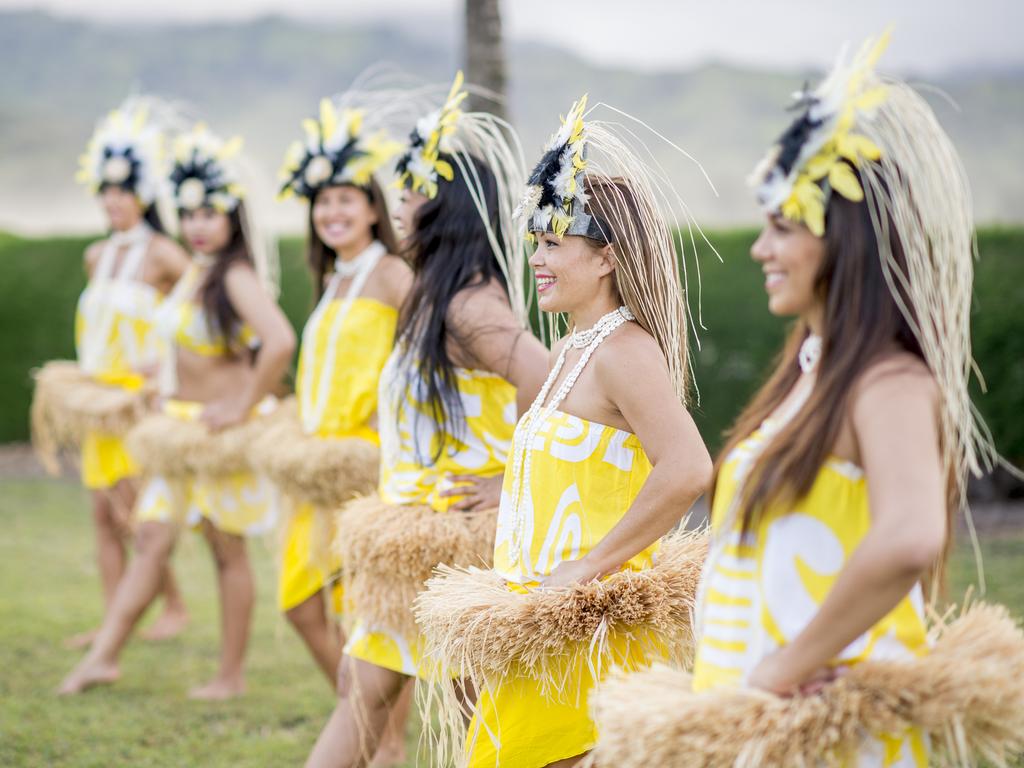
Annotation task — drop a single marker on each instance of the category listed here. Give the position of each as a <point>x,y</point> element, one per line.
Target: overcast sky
<point>930,35</point>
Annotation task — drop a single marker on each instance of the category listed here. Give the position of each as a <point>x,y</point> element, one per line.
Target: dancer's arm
<point>894,421</point>
<point>634,377</point>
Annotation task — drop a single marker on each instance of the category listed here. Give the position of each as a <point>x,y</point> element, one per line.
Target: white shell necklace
<point>810,353</point>
<point>314,394</point>
<point>97,307</point>
<point>538,414</point>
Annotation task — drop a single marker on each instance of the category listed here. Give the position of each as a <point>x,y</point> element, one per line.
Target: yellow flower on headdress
<point>334,152</point>
<point>421,165</point>
<point>823,145</point>
<point>554,192</point>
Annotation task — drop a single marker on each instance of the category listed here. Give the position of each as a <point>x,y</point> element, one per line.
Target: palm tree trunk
<point>485,55</point>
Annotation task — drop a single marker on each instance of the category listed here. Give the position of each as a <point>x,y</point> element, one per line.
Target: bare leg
<point>237,595</point>
<point>366,696</point>
<point>321,636</point>
<point>110,557</point>
<point>136,592</point>
<point>392,746</point>
<point>174,617</point>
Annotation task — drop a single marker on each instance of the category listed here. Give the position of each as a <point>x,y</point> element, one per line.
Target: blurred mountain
<point>259,78</point>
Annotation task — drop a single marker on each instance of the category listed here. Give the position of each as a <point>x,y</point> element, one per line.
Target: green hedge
<point>40,280</point>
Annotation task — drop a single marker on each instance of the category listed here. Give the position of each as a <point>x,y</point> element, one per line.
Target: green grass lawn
<point>49,590</point>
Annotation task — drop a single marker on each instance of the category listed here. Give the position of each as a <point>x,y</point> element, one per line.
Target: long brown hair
<point>321,256</point>
<point>862,323</point>
<point>646,284</point>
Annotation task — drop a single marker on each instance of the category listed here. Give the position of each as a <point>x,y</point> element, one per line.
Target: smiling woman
<point>92,404</point>
<point>604,464</point>
<point>835,496</point>
<point>228,345</point>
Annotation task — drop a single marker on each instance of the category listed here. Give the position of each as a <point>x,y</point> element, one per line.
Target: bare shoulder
<point>166,249</point>
<point>394,266</point>
<point>396,275</point>
<point>241,275</point>
<point>480,305</point>
<point>628,346</point>
<point>894,379</point>
<point>92,254</point>
<point>628,359</point>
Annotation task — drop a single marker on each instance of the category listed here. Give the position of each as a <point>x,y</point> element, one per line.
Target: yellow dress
<point>114,336</point>
<point>760,589</point>
<point>242,504</point>
<point>409,440</point>
<point>584,476</point>
<point>337,393</point>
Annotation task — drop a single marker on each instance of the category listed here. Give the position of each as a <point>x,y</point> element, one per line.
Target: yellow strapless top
<point>583,478</point>
<point>760,589</point>
<point>409,437</point>
<point>337,379</point>
<point>191,330</point>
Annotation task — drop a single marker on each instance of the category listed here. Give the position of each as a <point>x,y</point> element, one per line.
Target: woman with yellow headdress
<point>835,497</point>
<point>229,345</point>
<point>92,403</point>
<point>446,408</point>
<point>604,464</point>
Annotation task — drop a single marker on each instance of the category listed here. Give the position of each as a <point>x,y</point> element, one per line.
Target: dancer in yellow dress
<point>835,494</point>
<point>345,343</point>
<point>130,271</point>
<point>447,407</point>
<point>605,462</point>
<point>229,346</point>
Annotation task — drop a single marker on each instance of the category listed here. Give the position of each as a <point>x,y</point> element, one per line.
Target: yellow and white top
<point>761,588</point>
<point>584,476</point>
<point>345,344</point>
<point>410,438</point>
<point>114,321</point>
<point>182,322</point>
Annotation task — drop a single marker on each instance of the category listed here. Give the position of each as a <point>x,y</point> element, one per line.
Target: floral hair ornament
<point>818,152</point>
<point>127,150</point>
<point>422,165</point>
<point>335,152</point>
<point>203,172</point>
<point>555,198</point>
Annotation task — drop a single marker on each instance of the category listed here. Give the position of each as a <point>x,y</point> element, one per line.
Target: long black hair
<point>449,251</point>
<point>220,314</point>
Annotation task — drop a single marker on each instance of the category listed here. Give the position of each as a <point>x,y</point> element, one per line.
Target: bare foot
<point>88,674</point>
<point>170,623</point>
<point>81,640</point>
<point>218,690</point>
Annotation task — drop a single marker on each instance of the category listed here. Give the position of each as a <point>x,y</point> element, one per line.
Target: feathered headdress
<point>335,152</point>
<point>593,181</point>
<point>203,172</point>
<point>445,143</point>
<point>555,199</point>
<point>127,149</point>
<point>813,158</point>
<point>421,165</point>
<point>916,192</point>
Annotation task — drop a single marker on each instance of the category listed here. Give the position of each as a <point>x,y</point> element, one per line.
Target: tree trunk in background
<point>485,55</point>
